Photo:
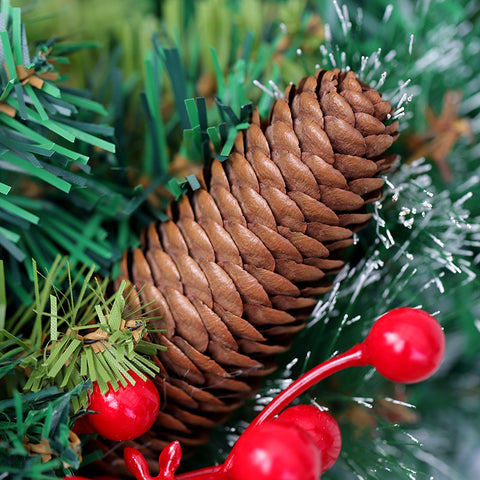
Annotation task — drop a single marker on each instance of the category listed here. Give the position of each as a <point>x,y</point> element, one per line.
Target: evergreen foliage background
<point>142,59</point>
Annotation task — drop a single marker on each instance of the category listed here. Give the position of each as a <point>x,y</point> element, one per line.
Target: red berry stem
<point>168,462</point>
<point>355,357</point>
<point>137,464</point>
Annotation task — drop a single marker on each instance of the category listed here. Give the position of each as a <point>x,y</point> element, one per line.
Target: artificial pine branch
<point>79,333</point>
<point>43,139</point>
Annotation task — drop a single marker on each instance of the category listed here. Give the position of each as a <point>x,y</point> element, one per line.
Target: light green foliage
<point>56,350</point>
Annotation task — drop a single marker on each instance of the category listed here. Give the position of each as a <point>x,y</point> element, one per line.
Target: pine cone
<point>236,269</point>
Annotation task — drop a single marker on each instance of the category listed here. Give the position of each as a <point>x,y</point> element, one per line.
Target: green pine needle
<point>38,124</point>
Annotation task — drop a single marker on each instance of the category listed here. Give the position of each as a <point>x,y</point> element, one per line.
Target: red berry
<point>126,413</point>
<point>405,345</point>
<point>321,426</point>
<point>275,451</point>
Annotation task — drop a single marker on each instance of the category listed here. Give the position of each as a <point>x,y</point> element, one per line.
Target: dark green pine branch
<point>43,142</point>
<point>34,423</point>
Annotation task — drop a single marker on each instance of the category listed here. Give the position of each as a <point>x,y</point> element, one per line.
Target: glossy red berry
<point>126,413</point>
<point>321,426</point>
<point>275,450</point>
<point>405,345</point>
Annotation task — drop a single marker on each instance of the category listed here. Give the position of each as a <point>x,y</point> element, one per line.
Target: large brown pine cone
<point>236,270</point>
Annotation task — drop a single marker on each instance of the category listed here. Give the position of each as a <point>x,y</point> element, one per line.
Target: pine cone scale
<point>266,170</point>
<point>241,173</point>
<point>238,326</point>
<point>198,243</point>
<point>252,249</point>
<point>205,208</point>
<point>279,246</point>
<point>325,173</point>
<point>285,210</point>
<point>307,246</point>
<point>179,364</point>
<point>334,105</point>
<point>249,288</point>
<point>225,248</point>
<point>353,167</point>
<point>326,233</point>
<point>314,139</point>
<point>313,210</point>
<point>187,320</point>
<point>216,328</point>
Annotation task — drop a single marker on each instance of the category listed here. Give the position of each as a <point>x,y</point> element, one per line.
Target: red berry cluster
<point>405,345</point>
<point>300,444</point>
